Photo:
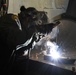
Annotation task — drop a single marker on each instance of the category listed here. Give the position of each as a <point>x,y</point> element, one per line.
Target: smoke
<point>54,32</point>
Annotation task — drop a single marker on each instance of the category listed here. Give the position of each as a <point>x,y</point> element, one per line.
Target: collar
<point>15,17</point>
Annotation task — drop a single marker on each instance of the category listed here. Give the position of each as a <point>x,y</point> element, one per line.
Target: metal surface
<point>66,40</point>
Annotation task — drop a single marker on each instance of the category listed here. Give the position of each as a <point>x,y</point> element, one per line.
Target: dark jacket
<point>10,36</point>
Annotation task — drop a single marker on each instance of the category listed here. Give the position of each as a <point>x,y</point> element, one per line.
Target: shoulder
<point>13,16</point>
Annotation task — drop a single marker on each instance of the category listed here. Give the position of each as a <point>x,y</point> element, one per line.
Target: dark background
<point>71,10</point>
